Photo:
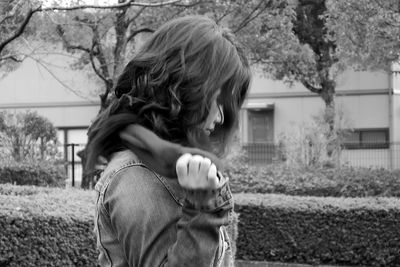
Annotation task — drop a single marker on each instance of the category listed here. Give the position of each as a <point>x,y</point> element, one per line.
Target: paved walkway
<point>240,263</point>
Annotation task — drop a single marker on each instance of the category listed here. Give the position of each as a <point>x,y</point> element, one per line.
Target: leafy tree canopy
<point>366,33</point>
<point>27,136</point>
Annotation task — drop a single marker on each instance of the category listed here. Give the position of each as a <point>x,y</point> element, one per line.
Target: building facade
<point>371,100</point>
<point>64,96</point>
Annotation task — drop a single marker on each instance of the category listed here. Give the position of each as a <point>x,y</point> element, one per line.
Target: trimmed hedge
<point>53,227</point>
<point>46,227</point>
<point>33,173</point>
<point>323,182</point>
<point>351,232</point>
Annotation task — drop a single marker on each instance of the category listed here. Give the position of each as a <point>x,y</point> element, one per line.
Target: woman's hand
<point>197,172</point>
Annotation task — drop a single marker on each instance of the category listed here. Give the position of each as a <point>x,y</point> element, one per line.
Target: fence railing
<point>376,155</point>
<point>74,164</point>
<point>368,155</point>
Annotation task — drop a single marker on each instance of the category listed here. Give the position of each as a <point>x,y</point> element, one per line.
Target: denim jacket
<point>144,219</point>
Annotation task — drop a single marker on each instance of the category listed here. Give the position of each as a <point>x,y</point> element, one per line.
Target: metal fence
<point>366,155</point>
<point>374,155</point>
<point>73,162</point>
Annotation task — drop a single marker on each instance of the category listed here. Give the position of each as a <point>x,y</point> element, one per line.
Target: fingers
<point>182,165</point>
<point>213,179</point>
<point>194,164</point>
<point>205,165</point>
<point>197,172</point>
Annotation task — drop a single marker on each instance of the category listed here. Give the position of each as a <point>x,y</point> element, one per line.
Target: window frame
<point>363,145</point>
<point>268,112</point>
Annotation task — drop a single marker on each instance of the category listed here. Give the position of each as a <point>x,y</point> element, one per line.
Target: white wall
<point>396,117</point>
<point>366,80</point>
<point>366,111</point>
<point>396,130</point>
<point>363,96</point>
<point>348,80</point>
<point>63,116</point>
<point>70,99</point>
<point>32,83</point>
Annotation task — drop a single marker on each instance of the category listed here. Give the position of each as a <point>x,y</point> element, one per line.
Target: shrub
<point>33,173</point>
<point>335,182</point>
<point>46,227</point>
<point>351,232</point>
<point>53,227</point>
<point>316,143</point>
<point>27,135</point>
<point>49,227</point>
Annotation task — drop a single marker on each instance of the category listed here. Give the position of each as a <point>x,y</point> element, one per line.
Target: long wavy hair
<point>168,88</point>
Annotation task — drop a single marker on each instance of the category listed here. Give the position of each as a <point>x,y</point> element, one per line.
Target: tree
<point>14,19</point>
<point>366,33</point>
<point>106,39</point>
<point>302,53</point>
<point>15,16</point>
<point>324,37</point>
<point>110,28</point>
<point>27,136</point>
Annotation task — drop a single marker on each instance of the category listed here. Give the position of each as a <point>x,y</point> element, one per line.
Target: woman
<point>161,200</point>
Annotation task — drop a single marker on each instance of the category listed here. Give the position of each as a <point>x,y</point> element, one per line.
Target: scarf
<point>158,154</point>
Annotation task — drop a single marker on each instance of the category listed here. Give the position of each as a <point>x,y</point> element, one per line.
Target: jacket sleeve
<point>141,212</point>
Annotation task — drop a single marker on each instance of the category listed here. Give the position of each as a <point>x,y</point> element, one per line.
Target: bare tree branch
<point>12,12</point>
<point>121,28</point>
<point>249,18</point>
<point>60,81</point>
<point>11,57</point>
<point>226,13</point>
<point>125,4</point>
<point>68,45</point>
<point>103,72</point>
<point>20,30</point>
<point>193,4</point>
<point>31,11</point>
<point>136,15</point>
<point>96,70</point>
<point>136,32</point>
<point>310,87</point>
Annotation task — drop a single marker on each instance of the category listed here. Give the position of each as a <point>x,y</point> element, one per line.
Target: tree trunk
<point>328,95</point>
<point>104,98</point>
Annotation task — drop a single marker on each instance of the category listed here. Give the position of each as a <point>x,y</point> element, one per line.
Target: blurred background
<point>315,164</point>
<point>325,88</point>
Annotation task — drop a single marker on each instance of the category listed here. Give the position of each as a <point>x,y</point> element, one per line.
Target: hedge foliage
<point>335,182</point>
<point>46,227</point>
<point>335,231</point>
<point>33,173</point>
<point>53,227</point>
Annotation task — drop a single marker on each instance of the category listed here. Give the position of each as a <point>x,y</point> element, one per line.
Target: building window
<point>368,139</point>
<point>76,137</point>
<point>261,126</point>
<point>260,147</point>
